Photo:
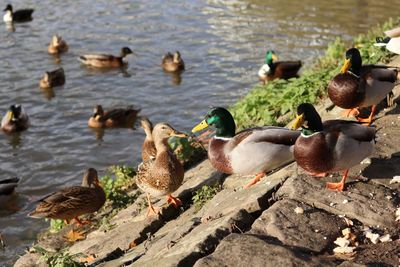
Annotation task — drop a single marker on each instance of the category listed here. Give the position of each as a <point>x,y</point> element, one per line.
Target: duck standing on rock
<point>71,202</point>
<point>15,120</point>
<point>251,151</point>
<point>273,69</point>
<point>106,60</point>
<point>360,85</point>
<point>114,118</point>
<point>164,174</point>
<point>21,15</point>
<point>335,145</point>
<point>172,62</point>
<point>148,148</point>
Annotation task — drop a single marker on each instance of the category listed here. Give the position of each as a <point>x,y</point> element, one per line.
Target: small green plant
<point>56,225</point>
<point>204,194</point>
<point>187,151</point>
<point>60,258</point>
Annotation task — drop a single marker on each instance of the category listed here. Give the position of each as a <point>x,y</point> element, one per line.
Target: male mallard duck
<point>360,85</point>
<point>119,117</point>
<point>273,69</point>
<point>164,174</point>
<point>21,15</point>
<point>335,145</point>
<point>251,151</point>
<point>148,147</point>
<point>15,120</point>
<point>71,202</point>
<point>52,79</point>
<point>105,60</point>
<point>172,62</point>
<point>7,186</point>
<point>57,45</point>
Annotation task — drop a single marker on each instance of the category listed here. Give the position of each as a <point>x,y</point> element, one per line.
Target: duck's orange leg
<point>255,180</point>
<point>351,111</point>
<point>81,223</point>
<point>368,120</point>
<point>151,211</point>
<point>338,186</point>
<point>176,202</point>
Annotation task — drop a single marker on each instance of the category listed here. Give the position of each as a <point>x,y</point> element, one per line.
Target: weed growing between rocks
<point>204,194</point>
<point>60,258</point>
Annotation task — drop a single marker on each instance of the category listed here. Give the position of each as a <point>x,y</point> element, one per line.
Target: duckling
<point>331,146</point>
<point>172,62</point>
<point>163,175</point>
<point>106,60</point>
<point>21,15</point>
<point>251,151</point>
<point>71,202</point>
<point>360,85</point>
<point>148,148</point>
<point>15,120</point>
<point>119,117</point>
<point>52,79</point>
<point>57,45</point>
<point>7,186</point>
<point>273,69</point>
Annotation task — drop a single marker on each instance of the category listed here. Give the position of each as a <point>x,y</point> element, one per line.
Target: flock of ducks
<point>318,147</point>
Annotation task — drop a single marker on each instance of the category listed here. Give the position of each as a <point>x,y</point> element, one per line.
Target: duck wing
<point>7,186</point>
<point>351,129</point>
<point>271,134</point>
<point>98,57</point>
<point>22,14</point>
<point>380,73</point>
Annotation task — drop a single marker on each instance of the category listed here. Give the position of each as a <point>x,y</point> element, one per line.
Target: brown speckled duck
<point>52,79</point>
<point>15,120</point>
<point>360,85</point>
<point>71,202</point>
<point>148,148</point>
<point>119,117</point>
<point>172,62</point>
<point>106,60</point>
<point>163,175</point>
<point>251,151</point>
<point>335,145</point>
<point>57,45</point>
<point>273,69</point>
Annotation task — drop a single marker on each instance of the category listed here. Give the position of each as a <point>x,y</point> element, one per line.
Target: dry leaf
<point>73,236</point>
<point>132,245</point>
<point>88,259</point>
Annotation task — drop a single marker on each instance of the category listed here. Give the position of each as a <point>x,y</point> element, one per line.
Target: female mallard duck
<point>119,117</point>
<point>273,69</point>
<point>57,45</point>
<point>148,148</point>
<point>71,202</point>
<point>7,186</point>
<point>164,174</point>
<point>335,145</point>
<point>360,85</point>
<point>105,60</point>
<point>251,151</point>
<point>15,120</point>
<point>52,79</point>
<point>21,15</point>
<point>172,62</point>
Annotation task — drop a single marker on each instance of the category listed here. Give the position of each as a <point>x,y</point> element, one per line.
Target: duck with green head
<point>330,146</point>
<point>273,69</point>
<point>251,151</point>
<point>360,85</point>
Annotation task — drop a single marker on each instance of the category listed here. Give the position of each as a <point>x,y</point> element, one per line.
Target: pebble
<point>298,210</point>
<point>343,250</point>
<point>385,238</point>
<point>345,201</point>
<point>396,179</point>
<point>342,242</point>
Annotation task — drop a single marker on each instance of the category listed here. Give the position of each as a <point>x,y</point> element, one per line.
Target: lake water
<point>222,42</point>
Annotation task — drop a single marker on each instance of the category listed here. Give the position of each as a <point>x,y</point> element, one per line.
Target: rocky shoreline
<point>287,219</point>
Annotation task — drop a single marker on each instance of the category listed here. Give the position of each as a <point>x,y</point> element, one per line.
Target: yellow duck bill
<point>202,125</point>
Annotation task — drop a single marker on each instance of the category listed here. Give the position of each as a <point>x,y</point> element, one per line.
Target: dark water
<point>222,42</point>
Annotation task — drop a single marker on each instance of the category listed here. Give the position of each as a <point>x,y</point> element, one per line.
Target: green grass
<point>204,194</point>
<point>60,258</point>
<point>265,104</point>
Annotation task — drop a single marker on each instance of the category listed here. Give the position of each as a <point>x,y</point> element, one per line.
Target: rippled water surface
<point>222,42</point>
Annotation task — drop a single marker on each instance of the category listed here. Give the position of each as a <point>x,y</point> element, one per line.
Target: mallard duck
<point>57,45</point>
<point>119,117</point>
<point>105,60</point>
<point>7,186</point>
<point>251,151</point>
<point>360,85</point>
<point>172,62</point>
<point>52,79</point>
<point>163,175</point>
<point>15,120</point>
<point>335,145</point>
<point>71,202</point>
<point>148,148</point>
<point>21,15</point>
<point>273,69</point>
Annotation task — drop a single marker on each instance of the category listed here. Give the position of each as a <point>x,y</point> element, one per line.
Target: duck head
<point>270,57</point>
<point>177,57</point>
<point>220,119</point>
<point>352,62</point>
<point>126,51</point>
<point>98,112</point>
<point>308,119</point>
<point>9,8</point>
<point>163,131</point>
<point>90,178</point>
